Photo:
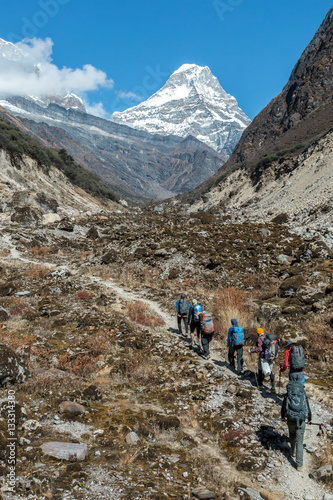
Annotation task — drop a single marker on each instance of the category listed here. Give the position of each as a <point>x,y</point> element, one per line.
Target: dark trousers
<point>261,377</point>
<point>184,318</point>
<point>231,356</point>
<point>195,325</point>
<point>205,340</point>
<point>296,436</point>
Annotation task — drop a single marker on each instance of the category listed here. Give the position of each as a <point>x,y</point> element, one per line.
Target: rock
<point>270,311</point>
<point>31,425</point>
<point>12,369</point>
<point>329,289</point>
<point>321,251</point>
<point>26,216</point>
<point>47,203</point>
<point>7,289</point>
<point>166,422</point>
<point>92,234</point>
<point>4,314</point>
<point>161,253</point>
<point>203,493</point>
<point>93,393</point>
<point>323,472</point>
<point>66,451</point>
<point>109,257</point>
<point>264,232</point>
<point>280,219</point>
<point>284,260</point>
<point>308,294</point>
<point>132,438</point>
<point>50,219</point>
<point>290,286</point>
<point>231,389</point>
<point>249,494</point>
<point>66,225</point>
<point>71,409</point>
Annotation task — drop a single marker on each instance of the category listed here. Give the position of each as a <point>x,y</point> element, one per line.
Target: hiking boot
<point>292,453</point>
<point>261,386</point>
<point>299,468</point>
<point>273,390</point>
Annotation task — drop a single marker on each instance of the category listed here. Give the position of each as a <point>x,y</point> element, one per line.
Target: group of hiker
<point>295,407</point>
<point>198,320</point>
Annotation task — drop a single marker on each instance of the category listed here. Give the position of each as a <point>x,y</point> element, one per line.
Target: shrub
<point>231,303</point>
<point>84,295</point>
<point>140,313</point>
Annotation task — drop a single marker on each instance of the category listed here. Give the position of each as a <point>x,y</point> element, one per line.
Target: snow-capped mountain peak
<point>192,102</point>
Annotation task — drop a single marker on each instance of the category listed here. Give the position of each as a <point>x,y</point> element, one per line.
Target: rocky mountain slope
<point>283,162</point>
<point>136,412</point>
<point>192,102</point>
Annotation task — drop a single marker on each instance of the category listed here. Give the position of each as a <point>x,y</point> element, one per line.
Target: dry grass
<point>40,250</point>
<point>317,331</point>
<point>35,271</point>
<point>84,295</point>
<point>231,303</point>
<point>127,457</point>
<point>140,313</point>
<point>39,384</point>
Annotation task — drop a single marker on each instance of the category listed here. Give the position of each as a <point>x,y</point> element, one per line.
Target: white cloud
<point>96,109</point>
<point>129,95</point>
<point>26,68</point>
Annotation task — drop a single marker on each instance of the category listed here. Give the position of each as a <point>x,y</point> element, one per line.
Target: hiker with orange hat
<point>265,367</point>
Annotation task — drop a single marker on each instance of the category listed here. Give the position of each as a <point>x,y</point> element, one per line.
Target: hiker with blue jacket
<point>235,344</point>
<point>296,409</point>
<point>182,307</point>
<point>194,322</point>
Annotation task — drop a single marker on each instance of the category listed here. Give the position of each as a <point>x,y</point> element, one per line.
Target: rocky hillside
<point>134,163</point>
<point>40,184</point>
<point>283,162</point>
<point>110,400</point>
<point>192,102</point>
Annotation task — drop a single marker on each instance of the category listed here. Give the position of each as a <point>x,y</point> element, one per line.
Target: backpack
<point>197,309</point>
<point>297,360</point>
<point>237,336</point>
<point>183,306</point>
<point>207,326</point>
<point>270,347</point>
<point>296,405</point>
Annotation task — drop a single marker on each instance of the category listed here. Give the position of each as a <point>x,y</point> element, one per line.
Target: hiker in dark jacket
<point>206,337</point>
<point>194,323</point>
<point>296,374</point>
<point>234,349</point>
<point>260,351</point>
<point>182,307</point>
<point>296,426</point>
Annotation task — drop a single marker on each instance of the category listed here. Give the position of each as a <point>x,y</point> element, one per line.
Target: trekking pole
<point>280,380</point>
<point>255,373</point>
<point>321,427</point>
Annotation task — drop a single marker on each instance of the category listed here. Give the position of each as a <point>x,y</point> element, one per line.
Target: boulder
<point>93,393</point>
<point>132,438</point>
<point>4,314</point>
<point>110,256</point>
<point>326,471</point>
<point>26,216</point>
<point>66,451</point>
<point>280,219</point>
<point>308,294</point>
<point>12,369</point>
<point>66,225</point>
<point>47,203</point>
<point>93,233</point>
<point>203,493</point>
<point>71,409</point>
<point>290,286</point>
<point>50,218</point>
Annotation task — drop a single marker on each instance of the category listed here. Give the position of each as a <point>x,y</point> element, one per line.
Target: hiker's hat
<point>288,343</point>
<point>260,331</point>
<point>194,302</point>
<point>182,296</point>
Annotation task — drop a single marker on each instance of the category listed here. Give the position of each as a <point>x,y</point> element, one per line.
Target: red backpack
<point>207,323</point>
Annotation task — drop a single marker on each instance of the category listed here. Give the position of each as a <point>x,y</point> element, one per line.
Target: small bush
<point>84,295</point>
<point>140,313</point>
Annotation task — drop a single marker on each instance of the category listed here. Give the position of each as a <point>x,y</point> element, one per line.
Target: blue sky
<point>251,46</point>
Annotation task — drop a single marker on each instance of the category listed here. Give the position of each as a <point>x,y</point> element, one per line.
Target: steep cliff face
<point>302,110</point>
<point>192,102</point>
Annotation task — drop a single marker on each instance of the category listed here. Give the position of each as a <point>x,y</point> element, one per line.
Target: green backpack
<point>296,407</point>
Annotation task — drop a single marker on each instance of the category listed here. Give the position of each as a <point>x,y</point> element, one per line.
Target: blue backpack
<point>197,309</point>
<point>237,336</point>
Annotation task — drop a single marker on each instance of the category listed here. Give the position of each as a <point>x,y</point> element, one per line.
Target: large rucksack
<point>237,336</point>
<point>197,309</point>
<point>207,325</point>
<point>270,347</point>
<point>297,360</point>
<point>296,405</point>
<point>183,306</point>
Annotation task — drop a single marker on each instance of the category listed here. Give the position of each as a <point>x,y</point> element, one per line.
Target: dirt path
<point>296,485</point>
